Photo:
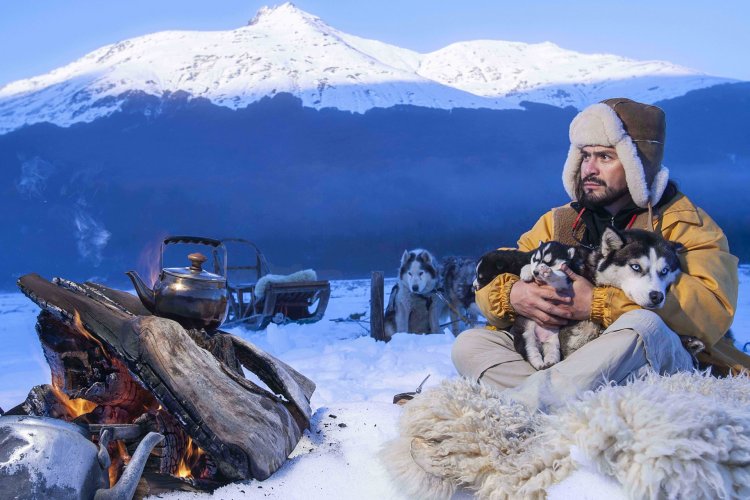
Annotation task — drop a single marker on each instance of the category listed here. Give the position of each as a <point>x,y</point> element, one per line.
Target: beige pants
<point>639,340</point>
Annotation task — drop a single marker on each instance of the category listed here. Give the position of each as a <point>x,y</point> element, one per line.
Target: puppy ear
<point>611,241</point>
<point>677,246</point>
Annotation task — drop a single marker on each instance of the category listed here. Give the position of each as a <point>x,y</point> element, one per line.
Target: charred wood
<point>187,384</point>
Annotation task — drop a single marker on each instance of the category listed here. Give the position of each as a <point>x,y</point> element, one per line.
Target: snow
<point>285,49</point>
<point>356,379</point>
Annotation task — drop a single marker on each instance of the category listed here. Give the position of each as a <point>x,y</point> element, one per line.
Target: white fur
<point>415,277</point>
<point>599,125</point>
<point>263,282</point>
<point>682,436</point>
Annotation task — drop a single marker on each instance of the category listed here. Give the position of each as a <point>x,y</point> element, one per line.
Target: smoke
<point>91,236</point>
<point>34,175</point>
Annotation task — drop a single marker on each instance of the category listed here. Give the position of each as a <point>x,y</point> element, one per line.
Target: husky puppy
<point>538,345</point>
<point>413,305</point>
<point>457,277</point>
<point>640,263</point>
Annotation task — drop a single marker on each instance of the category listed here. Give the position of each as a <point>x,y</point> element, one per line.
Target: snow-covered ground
<point>356,379</point>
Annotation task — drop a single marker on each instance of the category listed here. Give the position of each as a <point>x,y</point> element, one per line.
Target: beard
<point>599,199</point>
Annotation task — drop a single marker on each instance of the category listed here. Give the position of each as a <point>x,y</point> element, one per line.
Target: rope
<point>632,220</point>
<point>650,217</point>
<point>442,297</point>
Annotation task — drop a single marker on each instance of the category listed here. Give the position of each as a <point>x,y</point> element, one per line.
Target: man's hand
<point>583,295</point>
<point>542,304</point>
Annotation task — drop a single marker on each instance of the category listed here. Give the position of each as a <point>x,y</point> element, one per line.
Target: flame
<point>121,458</point>
<point>189,459</point>
<point>78,324</point>
<point>75,407</point>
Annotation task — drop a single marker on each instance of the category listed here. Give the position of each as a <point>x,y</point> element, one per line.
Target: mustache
<point>593,180</point>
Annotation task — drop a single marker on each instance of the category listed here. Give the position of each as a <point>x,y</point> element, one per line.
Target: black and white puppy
<point>538,345</point>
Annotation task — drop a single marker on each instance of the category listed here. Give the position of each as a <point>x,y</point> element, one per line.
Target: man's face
<point>602,181</point>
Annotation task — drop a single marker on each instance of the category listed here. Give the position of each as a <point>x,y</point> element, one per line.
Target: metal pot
<point>193,297</point>
<point>44,457</point>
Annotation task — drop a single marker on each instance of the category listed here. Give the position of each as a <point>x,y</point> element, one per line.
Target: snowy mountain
<point>286,50</point>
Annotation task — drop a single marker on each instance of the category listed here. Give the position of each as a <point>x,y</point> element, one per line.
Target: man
<point>614,176</point>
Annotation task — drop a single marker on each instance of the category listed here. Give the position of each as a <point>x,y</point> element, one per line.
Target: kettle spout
<point>144,293</point>
<point>125,487</point>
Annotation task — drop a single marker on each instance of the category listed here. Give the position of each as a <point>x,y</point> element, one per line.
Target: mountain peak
<point>281,13</point>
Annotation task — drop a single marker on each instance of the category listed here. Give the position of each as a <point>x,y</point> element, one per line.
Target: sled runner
<point>257,297</point>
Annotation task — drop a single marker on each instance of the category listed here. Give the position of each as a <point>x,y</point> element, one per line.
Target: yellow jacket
<point>701,302</point>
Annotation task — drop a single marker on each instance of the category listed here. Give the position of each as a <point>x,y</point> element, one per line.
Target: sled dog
<point>413,305</point>
<point>639,262</point>
<point>457,278</point>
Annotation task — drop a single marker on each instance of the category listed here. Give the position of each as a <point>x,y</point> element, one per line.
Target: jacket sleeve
<point>703,300</point>
<point>494,299</point>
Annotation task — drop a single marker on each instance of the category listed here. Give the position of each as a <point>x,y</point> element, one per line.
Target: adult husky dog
<point>457,278</point>
<point>640,263</point>
<point>413,305</point>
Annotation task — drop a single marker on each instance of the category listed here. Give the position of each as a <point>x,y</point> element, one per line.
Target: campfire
<point>115,364</point>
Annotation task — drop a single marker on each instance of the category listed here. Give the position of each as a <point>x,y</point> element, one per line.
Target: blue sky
<point>40,35</point>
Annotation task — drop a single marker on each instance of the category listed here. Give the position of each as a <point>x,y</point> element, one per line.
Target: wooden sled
<point>295,302</point>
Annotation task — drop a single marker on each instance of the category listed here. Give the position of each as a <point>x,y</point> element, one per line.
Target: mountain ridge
<point>287,50</point>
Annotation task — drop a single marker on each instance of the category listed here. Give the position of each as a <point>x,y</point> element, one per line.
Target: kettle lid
<point>195,271</point>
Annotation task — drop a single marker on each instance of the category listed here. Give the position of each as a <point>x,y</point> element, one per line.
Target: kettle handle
<point>199,240</point>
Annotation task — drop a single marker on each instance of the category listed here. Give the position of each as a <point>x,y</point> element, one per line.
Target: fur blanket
<point>299,276</point>
<point>681,436</point>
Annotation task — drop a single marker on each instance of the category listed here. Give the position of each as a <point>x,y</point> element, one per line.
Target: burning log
<point>123,365</point>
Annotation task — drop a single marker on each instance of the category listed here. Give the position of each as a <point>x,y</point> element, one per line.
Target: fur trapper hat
<point>636,131</point>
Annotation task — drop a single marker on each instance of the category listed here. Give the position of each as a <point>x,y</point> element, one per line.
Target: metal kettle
<point>193,297</point>
<point>43,457</point>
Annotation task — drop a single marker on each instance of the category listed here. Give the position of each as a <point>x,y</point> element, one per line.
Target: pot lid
<point>195,271</point>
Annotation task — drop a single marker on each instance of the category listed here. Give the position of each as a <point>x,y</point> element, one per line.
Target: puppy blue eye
<point>635,267</point>
<point>665,271</point>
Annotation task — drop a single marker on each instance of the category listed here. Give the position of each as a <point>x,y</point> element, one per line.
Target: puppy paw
<point>526,273</point>
<point>538,365</point>
<point>693,345</point>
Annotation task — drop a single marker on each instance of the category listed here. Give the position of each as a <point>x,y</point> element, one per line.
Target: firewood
<point>195,376</point>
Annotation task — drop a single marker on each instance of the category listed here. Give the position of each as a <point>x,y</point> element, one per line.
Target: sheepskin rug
<point>299,276</point>
<point>680,436</point>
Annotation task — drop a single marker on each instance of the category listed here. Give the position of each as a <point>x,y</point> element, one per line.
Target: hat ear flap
<point>611,241</point>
